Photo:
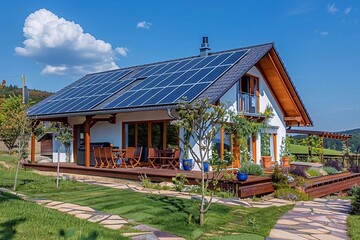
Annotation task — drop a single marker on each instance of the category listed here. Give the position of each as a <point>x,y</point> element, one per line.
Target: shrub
<point>300,181</point>
<point>252,169</point>
<point>330,170</point>
<point>291,194</point>
<point>279,179</point>
<point>298,171</point>
<point>355,199</point>
<point>333,163</point>
<point>228,176</point>
<point>355,169</point>
<point>224,194</point>
<point>179,182</point>
<point>313,172</point>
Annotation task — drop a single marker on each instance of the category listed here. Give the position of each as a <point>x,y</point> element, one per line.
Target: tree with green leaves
<point>15,126</point>
<point>200,122</point>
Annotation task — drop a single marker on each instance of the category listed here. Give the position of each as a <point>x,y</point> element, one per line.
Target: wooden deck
<point>253,186</point>
<point>317,187</point>
<point>323,186</point>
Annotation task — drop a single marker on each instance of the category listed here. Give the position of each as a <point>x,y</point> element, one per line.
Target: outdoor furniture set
<point>109,157</point>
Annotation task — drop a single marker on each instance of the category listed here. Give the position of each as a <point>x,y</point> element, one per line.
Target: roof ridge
<point>180,59</point>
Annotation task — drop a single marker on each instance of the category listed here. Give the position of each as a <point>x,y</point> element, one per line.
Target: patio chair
<point>135,160</point>
<point>174,160</point>
<point>109,157</point>
<point>97,157</point>
<point>153,157</point>
<point>129,154</point>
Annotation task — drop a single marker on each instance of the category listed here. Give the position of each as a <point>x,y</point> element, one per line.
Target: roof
<point>159,85</point>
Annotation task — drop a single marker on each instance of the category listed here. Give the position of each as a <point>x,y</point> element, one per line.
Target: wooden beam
<point>33,142</point>
<point>111,120</point>
<point>87,140</point>
<point>289,119</point>
<point>253,147</point>
<point>60,119</point>
<point>281,77</point>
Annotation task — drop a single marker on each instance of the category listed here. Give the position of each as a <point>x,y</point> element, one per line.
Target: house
<point>134,106</point>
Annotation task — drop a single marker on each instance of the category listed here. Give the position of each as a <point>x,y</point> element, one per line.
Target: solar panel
<point>84,93</point>
<point>155,84</point>
<point>185,78</point>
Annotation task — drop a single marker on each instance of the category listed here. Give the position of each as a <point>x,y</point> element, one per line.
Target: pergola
<point>322,135</point>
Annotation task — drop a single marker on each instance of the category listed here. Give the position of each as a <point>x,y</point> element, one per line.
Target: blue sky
<point>56,42</point>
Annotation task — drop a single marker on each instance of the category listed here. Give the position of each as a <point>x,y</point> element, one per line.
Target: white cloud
<point>122,51</point>
<point>63,46</point>
<point>143,24</point>
<point>331,8</point>
<point>347,10</point>
<point>323,33</point>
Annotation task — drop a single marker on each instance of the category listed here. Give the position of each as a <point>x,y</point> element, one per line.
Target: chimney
<point>204,50</point>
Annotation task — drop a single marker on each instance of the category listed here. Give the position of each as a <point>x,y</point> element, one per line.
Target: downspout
<point>170,114</point>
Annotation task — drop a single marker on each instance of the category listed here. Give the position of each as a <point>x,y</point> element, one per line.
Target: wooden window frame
<point>149,132</point>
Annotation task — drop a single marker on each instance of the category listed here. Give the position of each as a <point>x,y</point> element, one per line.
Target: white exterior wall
<point>59,152</point>
<point>266,98</point>
<point>230,98</point>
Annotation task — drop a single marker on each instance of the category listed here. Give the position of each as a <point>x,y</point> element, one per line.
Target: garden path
<point>111,221</point>
<point>320,219</point>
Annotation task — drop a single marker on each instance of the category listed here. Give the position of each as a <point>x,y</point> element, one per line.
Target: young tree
<point>14,123</point>
<point>201,121</point>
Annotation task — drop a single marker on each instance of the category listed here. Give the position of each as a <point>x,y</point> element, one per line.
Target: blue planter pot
<point>242,176</point>
<point>187,164</point>
<point>206,166</point>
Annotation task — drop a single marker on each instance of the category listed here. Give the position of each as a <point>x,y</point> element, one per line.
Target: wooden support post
<point>33,140</point>
<point>87,140</point>
<point>222,141</point>
<point>236,153</point>
<point>32,156</point>
<point>275,146</point>
<point>253,147</point>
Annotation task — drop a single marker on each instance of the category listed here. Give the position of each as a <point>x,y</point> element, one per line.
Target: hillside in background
<point>354,142</point>
<point>34,95</point>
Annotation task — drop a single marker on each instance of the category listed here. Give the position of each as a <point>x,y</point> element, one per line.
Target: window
<point>249,94</point>
<point>150,134</point>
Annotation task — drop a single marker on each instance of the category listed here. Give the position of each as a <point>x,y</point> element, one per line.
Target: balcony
<point>248,102</point>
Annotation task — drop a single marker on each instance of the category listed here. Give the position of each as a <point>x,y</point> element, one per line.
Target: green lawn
<point>174,215</point>
<point>26,220</point>
<point>353,224</point>
<point>299,149</point>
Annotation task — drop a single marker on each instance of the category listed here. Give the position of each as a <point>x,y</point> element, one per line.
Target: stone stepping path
<point>110,221</point>
<point>83,212</point>
<point>320,219</point>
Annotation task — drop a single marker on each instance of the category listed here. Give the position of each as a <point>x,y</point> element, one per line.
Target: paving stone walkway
<point>111,221</point>
<point>320,219</point>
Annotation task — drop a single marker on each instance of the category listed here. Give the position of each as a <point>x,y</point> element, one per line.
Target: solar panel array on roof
<point>88,92</point>
<point>156,84</point>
